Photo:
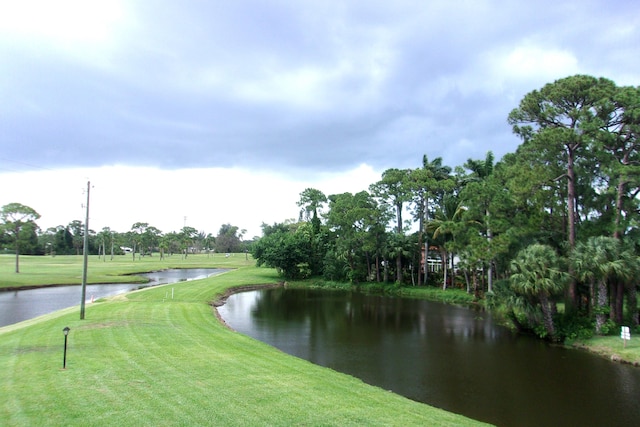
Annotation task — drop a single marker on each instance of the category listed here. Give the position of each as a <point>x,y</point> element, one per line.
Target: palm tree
<point>434,179</point>
<point>446,222</point>
<point>481,170</point>
<point>398,246</point>
<point>394,188</point>
<point>536,275</point>
<point>601,261</point>
<point>105,235</point>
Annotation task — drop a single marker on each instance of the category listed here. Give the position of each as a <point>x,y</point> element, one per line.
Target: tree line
<point>547,235</point>
<point>20,234</point>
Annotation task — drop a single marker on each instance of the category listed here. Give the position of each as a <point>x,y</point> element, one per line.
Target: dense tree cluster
<point>555,222</point>
<point>20,234</point>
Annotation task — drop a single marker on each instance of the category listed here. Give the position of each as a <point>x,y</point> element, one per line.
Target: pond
<point>451,357</point>
<point>19,305</point>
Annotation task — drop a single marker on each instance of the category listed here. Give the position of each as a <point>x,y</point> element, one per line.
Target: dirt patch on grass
<point>33,349</point>
<point>103,325</point>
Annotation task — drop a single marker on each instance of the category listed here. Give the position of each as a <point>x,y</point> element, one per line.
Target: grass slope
<point>142,359</point>
<point>612,347</point>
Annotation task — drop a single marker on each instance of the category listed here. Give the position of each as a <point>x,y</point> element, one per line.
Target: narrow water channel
<point>19,305</point>
<point>451,357</point>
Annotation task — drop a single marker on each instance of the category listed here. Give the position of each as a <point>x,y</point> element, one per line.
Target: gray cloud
<point>314,86</point>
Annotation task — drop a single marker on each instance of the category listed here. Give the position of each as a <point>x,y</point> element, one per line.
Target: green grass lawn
<point>612,347</point>
<point>138,359</point>
<point>67,270</point>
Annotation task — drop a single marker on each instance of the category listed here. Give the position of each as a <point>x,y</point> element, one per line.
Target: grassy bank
<point>448,296</point>
<point>67,270</point>
<point>612,348</point>
<point>138,359</point>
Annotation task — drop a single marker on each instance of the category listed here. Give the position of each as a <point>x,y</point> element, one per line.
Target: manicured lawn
<point>65,270</point>
<point>139,360</point>
<point>612,347</point>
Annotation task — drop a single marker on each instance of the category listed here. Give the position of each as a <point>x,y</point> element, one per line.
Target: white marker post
<point>625,334</point>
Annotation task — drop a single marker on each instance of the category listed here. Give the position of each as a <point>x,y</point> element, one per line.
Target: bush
<point>316,283</point>
<point>609,328</point>
<point>574,327</point>
<point>334,268</point>
<point>491,301</point>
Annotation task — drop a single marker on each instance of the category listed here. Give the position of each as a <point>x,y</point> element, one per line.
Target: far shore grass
<point>67,269</point>
<point>138,359</point>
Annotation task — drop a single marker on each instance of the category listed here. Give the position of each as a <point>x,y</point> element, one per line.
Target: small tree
<point>137,237</point>
<point>76,228</point>
<point>537,277</point>
<point>311,201</point>
<point>187,236</point>
<point>228,239</point>
<point>286,251</point>
<point>15,217</point>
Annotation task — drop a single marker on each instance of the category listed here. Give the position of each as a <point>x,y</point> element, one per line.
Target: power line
<point>31,165</point>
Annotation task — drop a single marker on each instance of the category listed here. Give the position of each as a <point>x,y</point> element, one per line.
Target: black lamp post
<point>66,334</point>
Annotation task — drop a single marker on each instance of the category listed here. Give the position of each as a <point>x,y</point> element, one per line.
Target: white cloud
<point>61,19</point>
<point>535,63</point>
<point>61,22</point>
<point>63,38</point>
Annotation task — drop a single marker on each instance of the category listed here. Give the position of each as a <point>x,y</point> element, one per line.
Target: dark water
<point>451,357</point>
<point>16,306</point>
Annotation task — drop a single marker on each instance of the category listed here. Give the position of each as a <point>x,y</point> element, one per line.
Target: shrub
<point>609,328</point>
<point>574,327</point>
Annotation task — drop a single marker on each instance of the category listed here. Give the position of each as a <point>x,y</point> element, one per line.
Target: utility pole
<point>85,254</point>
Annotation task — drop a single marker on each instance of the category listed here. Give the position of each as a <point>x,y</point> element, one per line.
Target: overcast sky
<point>224,111</point>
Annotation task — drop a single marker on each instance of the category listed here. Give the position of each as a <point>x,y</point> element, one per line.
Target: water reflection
<point>451,357</point>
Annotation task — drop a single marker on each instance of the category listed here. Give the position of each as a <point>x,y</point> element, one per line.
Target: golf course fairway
<point>144,358</point>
